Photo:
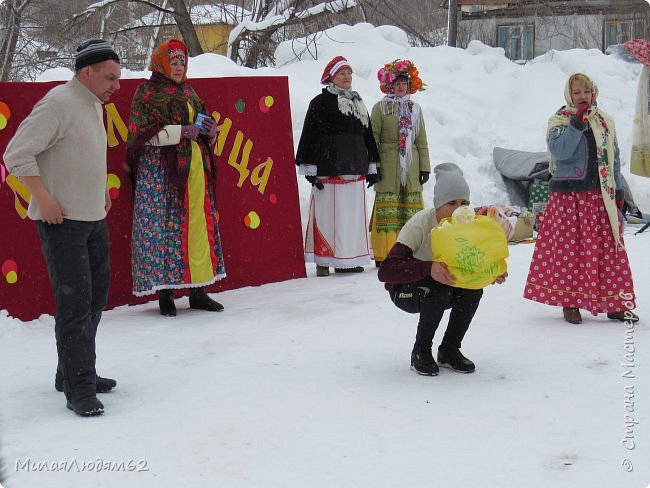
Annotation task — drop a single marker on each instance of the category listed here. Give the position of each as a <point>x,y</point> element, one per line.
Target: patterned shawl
<point>159,102</point>
<point>602,127</point>
<point>350,103</point>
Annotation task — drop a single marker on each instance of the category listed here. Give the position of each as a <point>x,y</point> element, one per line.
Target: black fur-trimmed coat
<point>337,144</point>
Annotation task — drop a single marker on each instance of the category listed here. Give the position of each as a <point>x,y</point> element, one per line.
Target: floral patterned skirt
<point>575,262</point>
<point>175,239</point>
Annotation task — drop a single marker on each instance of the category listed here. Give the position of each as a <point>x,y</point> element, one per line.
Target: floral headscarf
<point>163,55</point>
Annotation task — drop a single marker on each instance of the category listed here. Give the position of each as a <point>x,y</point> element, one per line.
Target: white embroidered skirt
<point>337,229</point>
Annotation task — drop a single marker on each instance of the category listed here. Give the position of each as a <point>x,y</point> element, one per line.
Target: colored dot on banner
<point>114,193</point>
<point>263,106</point>
<point>252,220</point>
<point>240,105</point>
<point>4,110</point>
<point>269,101</point>
<point>273,198</point>
<point>3,121</point>
<point>112,181</point>
<point>11,277</point>
<point>8,266</point>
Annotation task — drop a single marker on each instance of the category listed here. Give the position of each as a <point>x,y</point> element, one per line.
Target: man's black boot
<point>102,385</point>
<point>86,407</point>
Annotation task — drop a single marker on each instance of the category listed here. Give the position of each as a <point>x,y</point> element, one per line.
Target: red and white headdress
<point>333,67</point>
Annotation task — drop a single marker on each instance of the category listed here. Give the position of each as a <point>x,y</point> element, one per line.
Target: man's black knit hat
<point>94,51</point>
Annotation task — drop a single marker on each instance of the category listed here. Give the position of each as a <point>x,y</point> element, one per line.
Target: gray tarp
<point>520,165</point>
<point>520,168</point>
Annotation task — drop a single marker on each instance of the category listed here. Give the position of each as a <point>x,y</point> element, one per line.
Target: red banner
<point>257,193</point>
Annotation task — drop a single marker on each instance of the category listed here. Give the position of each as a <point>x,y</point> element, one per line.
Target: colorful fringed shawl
<point>159,102</point>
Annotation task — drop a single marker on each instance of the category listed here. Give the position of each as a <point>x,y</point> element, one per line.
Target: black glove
<point>424,177</point>
<point>314,181</point>
<point>373,178</point>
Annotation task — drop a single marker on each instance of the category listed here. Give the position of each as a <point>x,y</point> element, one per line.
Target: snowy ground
<point>306,382</point>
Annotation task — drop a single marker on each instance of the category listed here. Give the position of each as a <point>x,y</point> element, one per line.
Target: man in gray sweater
<point>59,153</point>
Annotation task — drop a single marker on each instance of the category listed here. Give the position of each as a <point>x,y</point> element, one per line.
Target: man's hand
<point>50,210</point>
<point>500,279</point>
<point>441,274</point>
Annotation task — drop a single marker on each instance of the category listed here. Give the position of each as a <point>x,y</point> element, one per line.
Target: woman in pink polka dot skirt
<point>580,261</point>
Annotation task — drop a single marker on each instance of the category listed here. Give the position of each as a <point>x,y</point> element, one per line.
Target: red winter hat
<point>640,49</point>
<point>333,67</point>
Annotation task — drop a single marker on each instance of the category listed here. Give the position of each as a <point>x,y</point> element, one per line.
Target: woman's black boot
<point>200,300</point>
<point>166,303</point>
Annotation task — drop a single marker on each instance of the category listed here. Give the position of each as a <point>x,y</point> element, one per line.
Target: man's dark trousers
<point>77,257</point>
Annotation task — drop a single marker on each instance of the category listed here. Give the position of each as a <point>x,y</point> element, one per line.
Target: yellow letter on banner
<point>260,175</point>
<point>223,130</point>
<point>113,121</point>
<point>20,191</point>
<point>234,153</point>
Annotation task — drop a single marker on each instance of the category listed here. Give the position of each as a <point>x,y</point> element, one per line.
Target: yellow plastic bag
<point>475,252</point>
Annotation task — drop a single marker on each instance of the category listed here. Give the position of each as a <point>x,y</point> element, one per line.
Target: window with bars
<point>620,31</point>
<point>517,40</point>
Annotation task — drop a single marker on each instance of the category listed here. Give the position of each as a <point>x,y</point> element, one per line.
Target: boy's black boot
<point>422,361</point>
<point>452,358</point>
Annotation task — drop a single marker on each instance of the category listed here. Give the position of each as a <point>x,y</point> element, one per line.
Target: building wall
<point>213,37</point>
<point>558,32</point>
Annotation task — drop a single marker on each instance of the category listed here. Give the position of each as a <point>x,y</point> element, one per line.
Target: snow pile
<point>475,99</point>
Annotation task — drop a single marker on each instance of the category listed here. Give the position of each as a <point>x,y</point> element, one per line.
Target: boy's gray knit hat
<point>450,185</point>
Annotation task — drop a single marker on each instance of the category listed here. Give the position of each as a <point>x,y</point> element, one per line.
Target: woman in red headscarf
<point>175,240</point>
<point>337,154</point>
